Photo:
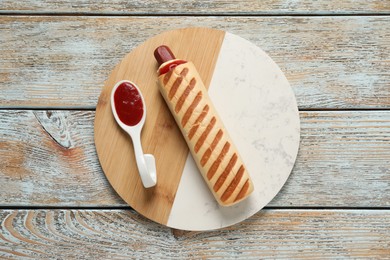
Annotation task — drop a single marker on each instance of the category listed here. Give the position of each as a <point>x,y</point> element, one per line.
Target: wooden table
<point>55,201</point>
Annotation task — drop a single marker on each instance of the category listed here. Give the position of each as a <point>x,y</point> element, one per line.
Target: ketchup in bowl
<point>128,104</point>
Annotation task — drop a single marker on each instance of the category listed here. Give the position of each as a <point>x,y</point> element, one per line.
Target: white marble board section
<point>258,108</point>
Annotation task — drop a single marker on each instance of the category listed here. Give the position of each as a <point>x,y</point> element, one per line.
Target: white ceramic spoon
<point>145,162</point>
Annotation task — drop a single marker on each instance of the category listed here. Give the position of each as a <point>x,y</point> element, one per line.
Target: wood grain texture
<point>49,159</point>
<point>160,134</point>
<point>287,234</point>
<point>330,62</point>
<point>197,7</point>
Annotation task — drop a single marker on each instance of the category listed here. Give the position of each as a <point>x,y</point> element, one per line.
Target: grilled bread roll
<point>209,142</point>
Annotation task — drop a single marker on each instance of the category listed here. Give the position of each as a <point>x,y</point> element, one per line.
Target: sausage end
<point>163,54</point>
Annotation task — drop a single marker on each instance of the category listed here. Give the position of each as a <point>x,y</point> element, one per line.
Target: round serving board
<point>252,97</point>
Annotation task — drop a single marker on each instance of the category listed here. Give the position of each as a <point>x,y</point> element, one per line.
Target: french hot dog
<point>209,142</point>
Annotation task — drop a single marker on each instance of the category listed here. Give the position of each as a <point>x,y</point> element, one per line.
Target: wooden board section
<point>160,136</point>
<point>342,159</point>
<point>331,62</point>
<point>200,7</point>
<point>122,234</point>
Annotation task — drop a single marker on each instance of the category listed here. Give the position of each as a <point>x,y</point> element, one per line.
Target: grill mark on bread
<point>197,122</point>
<point>184,72</point>
<point>204,135</point>
<point>222,178</point>
<point>177,83</point>
<point>243,191</point>
<point>188,114</point>
<point>174,87</point>
<point>185,94</point>
<point>232,186</point>
<point>218,161</point>
<point>208,152</point>
<point>167,77</point>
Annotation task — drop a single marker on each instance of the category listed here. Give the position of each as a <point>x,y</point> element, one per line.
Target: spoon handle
<point>146,176</point>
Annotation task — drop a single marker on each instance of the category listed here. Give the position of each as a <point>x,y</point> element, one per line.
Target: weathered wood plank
<point>331,62</point>
<point>48,158</point>
<point>88,234</point>
<point>343,158</point>
<point>198,7</point>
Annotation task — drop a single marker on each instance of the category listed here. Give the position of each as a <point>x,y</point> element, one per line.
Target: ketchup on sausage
<point>170,66</point>
<point>164,54</point>
<point>128,104</point>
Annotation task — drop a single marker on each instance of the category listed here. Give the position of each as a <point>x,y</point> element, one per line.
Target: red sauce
<point>170,66</point>
<point>128,104</point>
